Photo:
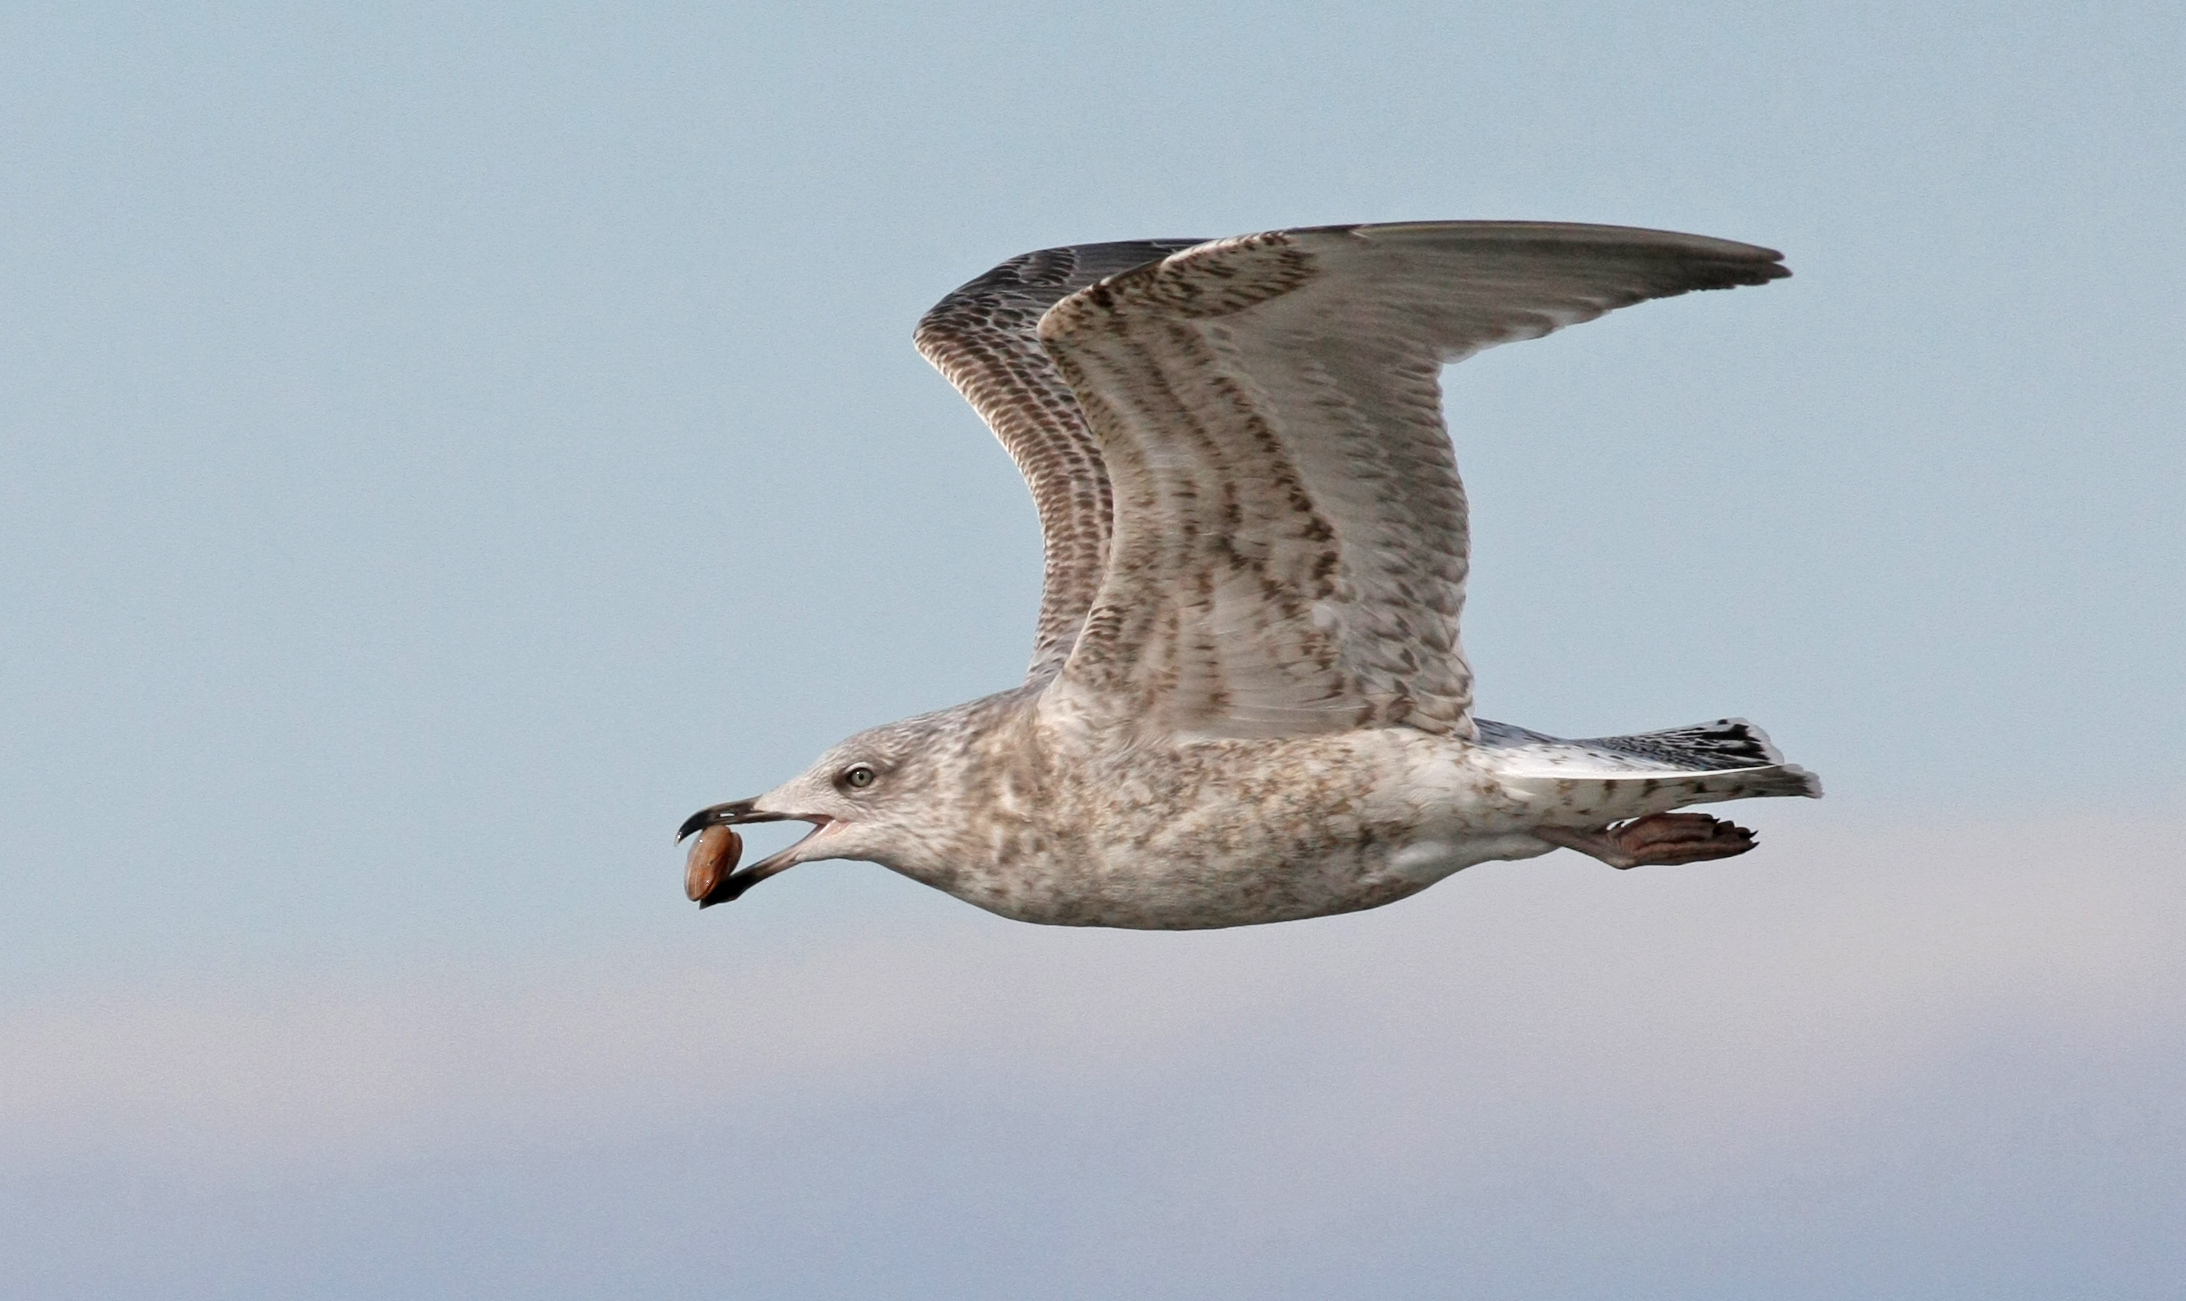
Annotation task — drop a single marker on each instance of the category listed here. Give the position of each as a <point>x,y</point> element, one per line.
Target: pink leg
<point>1657,838</point>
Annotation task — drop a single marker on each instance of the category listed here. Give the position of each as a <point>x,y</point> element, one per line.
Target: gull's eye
<point>858,776</point>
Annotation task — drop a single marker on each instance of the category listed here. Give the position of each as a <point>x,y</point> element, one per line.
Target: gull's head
<point>879,796</point>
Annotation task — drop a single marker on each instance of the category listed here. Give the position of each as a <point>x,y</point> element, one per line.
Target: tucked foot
<point>1657,838</point>
<point>1679,838</point>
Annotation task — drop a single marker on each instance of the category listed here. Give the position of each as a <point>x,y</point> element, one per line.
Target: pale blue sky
<point>441,446</point>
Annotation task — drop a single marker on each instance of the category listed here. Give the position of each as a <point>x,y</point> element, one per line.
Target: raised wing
<point>984,338</point>
<point>1289,538</point>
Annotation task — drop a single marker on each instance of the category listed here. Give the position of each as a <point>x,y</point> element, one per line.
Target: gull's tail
<point>1612,777</point>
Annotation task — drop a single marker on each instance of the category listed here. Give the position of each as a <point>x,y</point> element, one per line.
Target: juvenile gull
<point>1247,700</point>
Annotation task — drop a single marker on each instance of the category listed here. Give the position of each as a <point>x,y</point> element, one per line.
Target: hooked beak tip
<point>722,815</point>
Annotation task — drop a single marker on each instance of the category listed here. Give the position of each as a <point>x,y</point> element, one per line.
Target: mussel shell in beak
<point>713,857</point>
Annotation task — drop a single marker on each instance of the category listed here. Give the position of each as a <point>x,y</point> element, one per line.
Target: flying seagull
<point>1247,700</point>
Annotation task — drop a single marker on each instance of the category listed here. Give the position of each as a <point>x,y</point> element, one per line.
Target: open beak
<point>710,877</point>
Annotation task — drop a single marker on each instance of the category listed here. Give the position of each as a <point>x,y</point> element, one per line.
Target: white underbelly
<point>1424,862</point>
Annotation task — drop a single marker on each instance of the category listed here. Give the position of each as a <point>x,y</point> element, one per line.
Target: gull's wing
<point>1288,551</point>
<point>984,338</point>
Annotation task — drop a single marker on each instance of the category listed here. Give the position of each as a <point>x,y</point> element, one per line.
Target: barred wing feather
<point>984,339</point>
<point>1286,549</point>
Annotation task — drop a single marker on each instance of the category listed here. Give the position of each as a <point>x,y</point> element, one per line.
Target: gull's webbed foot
<point>1679,838</point>
<point>1657,838</point>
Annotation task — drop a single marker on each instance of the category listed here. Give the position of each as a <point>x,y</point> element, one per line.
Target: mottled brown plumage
<point>1248,701</point>
<point>985,339</point>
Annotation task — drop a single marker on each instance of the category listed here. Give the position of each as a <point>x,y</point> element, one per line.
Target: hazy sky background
<point>441,446</point>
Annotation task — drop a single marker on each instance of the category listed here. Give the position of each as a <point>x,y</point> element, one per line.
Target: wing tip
<point>1733,262</point>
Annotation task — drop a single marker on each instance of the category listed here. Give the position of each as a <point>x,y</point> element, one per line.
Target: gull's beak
<point>710,876</point>
<point>723,815</point>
